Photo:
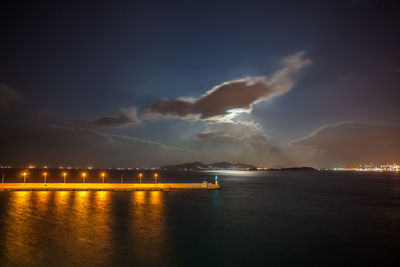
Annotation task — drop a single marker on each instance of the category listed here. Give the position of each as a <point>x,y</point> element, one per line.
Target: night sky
<point>146,83</point>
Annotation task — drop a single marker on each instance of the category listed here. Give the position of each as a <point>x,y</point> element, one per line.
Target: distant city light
<point>372,168</point>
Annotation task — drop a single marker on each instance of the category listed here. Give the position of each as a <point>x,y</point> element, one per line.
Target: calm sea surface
<point>256,219</point>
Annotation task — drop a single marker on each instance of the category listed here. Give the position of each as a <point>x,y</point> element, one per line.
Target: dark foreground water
<point>256,219</point>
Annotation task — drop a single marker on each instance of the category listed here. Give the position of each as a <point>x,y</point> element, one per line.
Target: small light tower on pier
<point>216,179</point>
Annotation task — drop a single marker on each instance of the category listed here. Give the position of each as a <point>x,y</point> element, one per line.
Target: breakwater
<point>106,186</point>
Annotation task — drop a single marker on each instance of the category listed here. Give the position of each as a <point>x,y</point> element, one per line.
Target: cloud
<point>246,133</point>
<point>8,96</point>
<point>352,144</point>
<point>56,145</point>
<point>127,117</point>
<point>234,96</point>
<point>240,142</point>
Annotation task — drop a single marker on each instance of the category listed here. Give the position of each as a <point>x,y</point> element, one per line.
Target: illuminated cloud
<point>352,144</point>
<point>232,97</point>
<point>127,117</point>
<point>8,96</point>
<point>246,133</point>
<point>240,142</point>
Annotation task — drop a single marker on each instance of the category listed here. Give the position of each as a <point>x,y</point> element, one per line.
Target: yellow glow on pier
<point>103,186</point>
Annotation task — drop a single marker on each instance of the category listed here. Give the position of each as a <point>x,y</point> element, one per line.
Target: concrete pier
<point>105,186</point>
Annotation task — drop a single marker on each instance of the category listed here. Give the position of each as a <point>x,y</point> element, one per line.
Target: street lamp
<point>140,177</point>
<point>45,177</point>
<point>102,175</point>
<point>84,176</point>
<point>65,176</point>
<point>155,177</point>
<point>24,174</point>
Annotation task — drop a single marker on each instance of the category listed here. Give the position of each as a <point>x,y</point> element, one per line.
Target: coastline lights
<point>155,177</point>
<point>45,177</point>
<point>84,176</point>
<point>65,176</point>
<point>103,174</point>
<point>140,177</point>
<point>25,174</point>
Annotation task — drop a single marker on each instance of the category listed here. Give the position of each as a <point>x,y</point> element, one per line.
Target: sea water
<point>270,218</point>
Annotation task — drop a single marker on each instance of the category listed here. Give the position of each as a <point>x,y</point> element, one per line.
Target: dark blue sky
<point>83,66</point>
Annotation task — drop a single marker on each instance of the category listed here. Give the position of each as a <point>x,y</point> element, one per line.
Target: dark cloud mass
<point>351,144</point>
<point>127,117</point>
<point>8,96</point>
<point>239,94</point>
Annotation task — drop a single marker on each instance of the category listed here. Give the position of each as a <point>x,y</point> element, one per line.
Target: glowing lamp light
<point>45,177</point>
<point>103,174</point>
<point>65,176</point>
<point>140,177</point>
<point>84,176</point>
<point>24,174</point>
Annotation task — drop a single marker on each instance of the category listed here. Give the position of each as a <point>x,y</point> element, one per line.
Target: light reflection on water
<point>148,225</point>
<point>18,229</point>
<point>278,219</point>
<point>81,227</point>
